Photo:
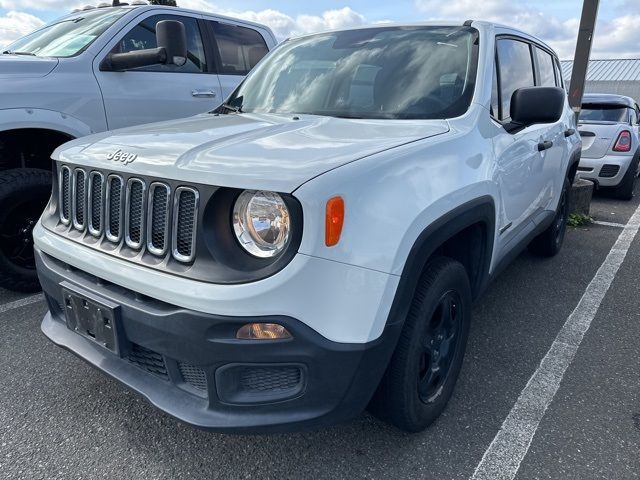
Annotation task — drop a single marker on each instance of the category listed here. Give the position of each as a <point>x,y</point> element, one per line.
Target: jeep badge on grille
<point>120,156</point>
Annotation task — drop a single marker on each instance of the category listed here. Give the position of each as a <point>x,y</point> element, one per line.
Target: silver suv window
<point>516,71</point>
<point>69,36</point>
<point>384,72</point>
<point>240,48</point>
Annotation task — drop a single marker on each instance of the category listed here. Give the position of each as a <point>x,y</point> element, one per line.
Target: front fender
<point>17,118</point>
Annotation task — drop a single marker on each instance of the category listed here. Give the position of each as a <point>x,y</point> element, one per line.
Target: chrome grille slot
<point>64,195</point>
<point>134,213</point>
<point>113,215</point>
<point>79,199</point>
<point>158,218</point>
<point>124,213</point>
<point>96,203</point>
<point>185,216</point>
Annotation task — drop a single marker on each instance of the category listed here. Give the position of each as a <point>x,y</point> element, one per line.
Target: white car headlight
<point>261,223</point>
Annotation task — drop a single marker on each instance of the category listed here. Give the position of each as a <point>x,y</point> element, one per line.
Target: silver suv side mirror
<point>171,39</point>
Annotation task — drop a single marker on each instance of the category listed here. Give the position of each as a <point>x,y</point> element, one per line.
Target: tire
<point>425,365</point>
<point>23,196</point>
<point>624,190</point>
<point>549,242</point>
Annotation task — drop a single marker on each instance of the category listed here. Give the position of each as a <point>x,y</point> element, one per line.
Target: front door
<point>158,92</point>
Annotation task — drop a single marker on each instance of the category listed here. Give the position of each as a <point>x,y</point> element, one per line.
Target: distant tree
<point>168,3</point>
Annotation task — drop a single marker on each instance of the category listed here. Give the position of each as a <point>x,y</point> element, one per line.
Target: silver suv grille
<point>142,216</point>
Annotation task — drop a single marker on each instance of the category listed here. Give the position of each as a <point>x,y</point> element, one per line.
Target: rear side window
<point>143,36</point>
<point>516,71</point>
<point>240,48</point>
<point>546,76</point>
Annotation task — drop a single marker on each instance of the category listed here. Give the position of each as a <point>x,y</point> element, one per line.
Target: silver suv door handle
<point>203,93</point>
<point>545,145</point>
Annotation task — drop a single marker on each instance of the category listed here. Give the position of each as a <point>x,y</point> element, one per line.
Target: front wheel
<point>549,242</point>
<point>425,365</point>
<point>23,196</point>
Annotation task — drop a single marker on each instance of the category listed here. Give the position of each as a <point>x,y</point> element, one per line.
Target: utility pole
<point>583,52</point>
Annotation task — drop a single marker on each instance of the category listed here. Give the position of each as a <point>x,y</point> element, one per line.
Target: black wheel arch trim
<point>480,210</point>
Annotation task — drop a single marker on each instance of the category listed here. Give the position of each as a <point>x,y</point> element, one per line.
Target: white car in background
<point>609,127</point>
<point>101,69</point>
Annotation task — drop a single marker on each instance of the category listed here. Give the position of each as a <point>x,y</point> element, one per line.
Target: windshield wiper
<point>9,52</point>
<point>232,108</point>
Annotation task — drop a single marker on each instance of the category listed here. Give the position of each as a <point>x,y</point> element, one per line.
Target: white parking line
<point>609,224</point>
<point>22,302</point>
<point>502,459</point>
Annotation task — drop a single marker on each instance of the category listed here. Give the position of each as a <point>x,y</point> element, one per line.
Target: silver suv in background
<point>609,127</point>
<point>101,69</point>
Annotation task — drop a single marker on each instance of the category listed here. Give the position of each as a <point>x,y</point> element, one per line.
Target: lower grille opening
<point>194,376</point>
<point>608,171</point>
<point>148,360</point>
<point>245,384</point>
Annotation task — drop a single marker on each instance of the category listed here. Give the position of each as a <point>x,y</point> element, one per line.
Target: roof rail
<point>467,23</point>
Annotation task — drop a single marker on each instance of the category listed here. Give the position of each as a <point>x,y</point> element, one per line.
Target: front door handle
<point>569,132</point>
<point>203,93</point>
<point>545,145</point>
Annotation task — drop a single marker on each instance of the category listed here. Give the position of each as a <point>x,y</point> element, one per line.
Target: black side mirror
<point>531,105</point>
<point>171,39</point>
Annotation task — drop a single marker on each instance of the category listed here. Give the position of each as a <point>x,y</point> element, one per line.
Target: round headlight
<point>261,223</point>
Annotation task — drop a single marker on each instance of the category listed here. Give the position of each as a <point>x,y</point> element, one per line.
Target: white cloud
<point>14,25</point>
<point>35,5</point>
<point>284,25</point>
<point>613,38</point>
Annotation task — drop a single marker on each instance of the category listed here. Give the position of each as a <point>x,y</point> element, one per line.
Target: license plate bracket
<point>92,317</point>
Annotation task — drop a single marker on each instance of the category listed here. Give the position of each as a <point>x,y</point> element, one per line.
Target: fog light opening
<point>262,331</point>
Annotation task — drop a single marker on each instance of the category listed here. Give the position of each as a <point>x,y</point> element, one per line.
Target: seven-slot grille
<point>130,211</point>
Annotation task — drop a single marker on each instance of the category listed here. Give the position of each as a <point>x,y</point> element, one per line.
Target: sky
<point>555,21</point>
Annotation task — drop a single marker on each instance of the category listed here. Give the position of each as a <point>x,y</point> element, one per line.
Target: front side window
<point>546,75</point>
<point>240,48</point>
<point>69,36</point>
<point>595,113</point>
<point>516,71</point>
<point>143,36</point>
<point>384,72</point>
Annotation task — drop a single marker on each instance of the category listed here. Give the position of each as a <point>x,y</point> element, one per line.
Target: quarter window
<point>240,48</point>
<point>516,71</point>
<point>143,36</point>
<point>546,76</point>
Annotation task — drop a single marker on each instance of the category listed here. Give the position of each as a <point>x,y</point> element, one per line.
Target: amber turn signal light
<point>262,331</point>
<point>334,221</point>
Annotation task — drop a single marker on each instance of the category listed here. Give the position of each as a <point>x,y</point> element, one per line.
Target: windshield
<point>603,113</point>
<point>69,36</point>
<point>386,72</point>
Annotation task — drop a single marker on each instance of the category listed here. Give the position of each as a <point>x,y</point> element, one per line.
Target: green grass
<point>578,220</point>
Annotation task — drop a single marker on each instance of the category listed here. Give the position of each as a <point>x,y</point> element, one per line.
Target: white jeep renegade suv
<point>314,246</point>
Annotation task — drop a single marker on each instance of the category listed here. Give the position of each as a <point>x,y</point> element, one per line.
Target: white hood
<point>250,151</point>
<point>26,66</point>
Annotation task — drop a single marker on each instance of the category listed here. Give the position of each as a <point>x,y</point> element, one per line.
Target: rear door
<point>158,92</point>
<point>238,50</point>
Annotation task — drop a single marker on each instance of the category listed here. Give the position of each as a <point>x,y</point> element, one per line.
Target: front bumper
<point>599,170</point>
<point>190,365</point>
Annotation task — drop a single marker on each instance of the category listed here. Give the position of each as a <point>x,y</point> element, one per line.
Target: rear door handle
<point>203,93</point>
<point>569,132</point>
<point>545,145</point>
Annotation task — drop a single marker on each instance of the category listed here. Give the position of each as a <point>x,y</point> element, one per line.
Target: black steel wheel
<point>23,196</point>
<point>439,346</point>
<point>425,365</point>
<point>549,242</point>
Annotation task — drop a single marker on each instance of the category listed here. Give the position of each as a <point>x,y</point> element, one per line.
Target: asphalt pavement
<point>59,418</point>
